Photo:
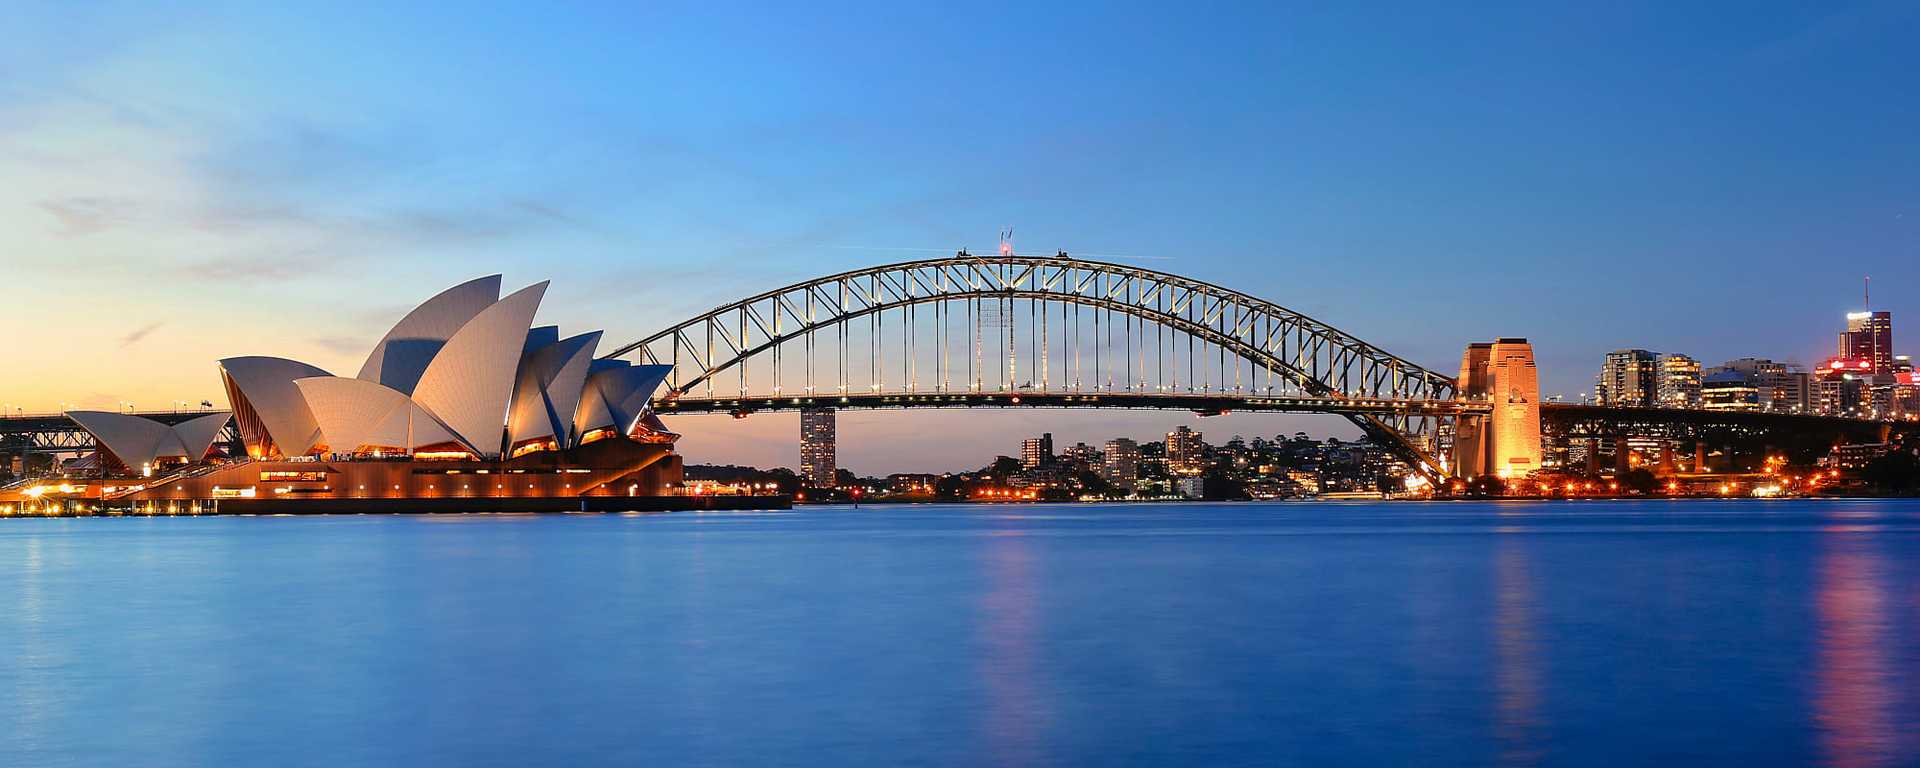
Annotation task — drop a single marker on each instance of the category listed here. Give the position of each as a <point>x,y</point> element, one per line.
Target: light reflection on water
<point>1517,670</point>
<point>1015,714</point>
<point>1855,701</point>
<point>1720,632</point>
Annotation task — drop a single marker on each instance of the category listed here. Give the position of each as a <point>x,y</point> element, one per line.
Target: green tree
<point>1897,472</point>
<point>1639,480</point>
<point>1487,485</point>
<point>1002,466</point>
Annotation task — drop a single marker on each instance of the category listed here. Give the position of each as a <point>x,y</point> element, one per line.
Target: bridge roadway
<point>1565,419</point>
<point>1201,403</point>
<point>1597,421</point>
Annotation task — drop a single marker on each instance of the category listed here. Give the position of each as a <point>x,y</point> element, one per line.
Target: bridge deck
<point>1205,403</point>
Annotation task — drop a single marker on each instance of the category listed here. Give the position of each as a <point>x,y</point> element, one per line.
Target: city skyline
<point>185,217</point>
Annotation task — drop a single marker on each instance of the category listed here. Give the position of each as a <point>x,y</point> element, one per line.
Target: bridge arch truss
<point>1052,328</point>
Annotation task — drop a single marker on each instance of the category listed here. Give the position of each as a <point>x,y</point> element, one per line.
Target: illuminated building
<point>1869,337</point>
<point>462,400</point>
<point>1186,452</point>
<point>1842,387</point>
<point>1629,378</point>
<point>1781,387</point>
<point>1036,451</point>
<point>1081,457</point>
<point>818,447</point>
<point>1122,462</point>
<point>1679,385</point>
<point>1506,442</point>
<point>911,483</point>
<point>1729,390</point>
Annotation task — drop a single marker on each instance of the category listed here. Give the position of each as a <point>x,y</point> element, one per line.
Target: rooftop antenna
<point>1006,242</point>
<point>1866,291</point>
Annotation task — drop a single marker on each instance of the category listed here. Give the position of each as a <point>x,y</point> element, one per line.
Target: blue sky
<point>1703,178</point>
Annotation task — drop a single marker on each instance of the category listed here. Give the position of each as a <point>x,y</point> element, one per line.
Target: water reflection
<point>1518,724</point>
<point>1854,694</point>
<point>1015,715</point>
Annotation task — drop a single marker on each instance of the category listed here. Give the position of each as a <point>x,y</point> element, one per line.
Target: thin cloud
<point>88,215</point>
<point>284,267</point>
<point>554,214</point>
<point>135,337</point>
<point>342,345</point>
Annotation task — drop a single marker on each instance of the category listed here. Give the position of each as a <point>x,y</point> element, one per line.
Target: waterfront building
<point>1186,451</point>
<point>1036,451</point>
<point>463,399</point>
<point>1679,385</point>
<point>1121,463</point>
<point>1855,455</point>
<point>1628,378</point>
<point>819,450</point>
<point>1507,441</point>
<point>911,483</point>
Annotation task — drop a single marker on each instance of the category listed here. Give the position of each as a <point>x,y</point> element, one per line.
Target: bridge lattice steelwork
<point>1006,330</point>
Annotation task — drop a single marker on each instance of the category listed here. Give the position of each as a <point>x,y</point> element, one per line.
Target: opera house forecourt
<point>464,406</point>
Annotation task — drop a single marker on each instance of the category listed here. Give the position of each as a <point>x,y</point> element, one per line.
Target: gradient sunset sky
<point>288,179</point>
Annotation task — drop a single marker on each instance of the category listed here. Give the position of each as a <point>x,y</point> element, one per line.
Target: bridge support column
<point>1621,454</point>
<point>1667,462</point>
<point>1593,456</point>
<point>1699,455</point>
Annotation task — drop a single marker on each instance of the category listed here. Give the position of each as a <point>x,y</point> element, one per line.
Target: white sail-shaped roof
<point>196,435</point>
<point>135,440</point>
<point>355,415</point>
<point>403,356</point>
<point>548,389</point>
<point>617,396</point>
<point>139,442</point>
<point>266,383</point>
<point>469,384</point>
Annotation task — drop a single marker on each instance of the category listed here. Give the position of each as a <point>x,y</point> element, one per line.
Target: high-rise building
<point>1082,457</point>
<point>1630,378</point>
<point>1869,337</point>
<point>817,447</point>
<point>1036,451</point>
<point>1679,381</point>
<point>1507,441</point>
<point>1186,452</point>
<point>1122,462</point>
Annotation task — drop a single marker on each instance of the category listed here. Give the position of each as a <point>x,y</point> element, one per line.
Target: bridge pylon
<point>1504,442</point>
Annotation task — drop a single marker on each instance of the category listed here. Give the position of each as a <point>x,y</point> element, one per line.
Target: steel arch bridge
<point>1023,331</point>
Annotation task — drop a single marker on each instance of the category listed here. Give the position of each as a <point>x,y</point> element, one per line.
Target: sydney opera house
<point>463,402</point>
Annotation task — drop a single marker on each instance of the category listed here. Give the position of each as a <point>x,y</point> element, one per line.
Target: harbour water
<point>1571,633</point>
